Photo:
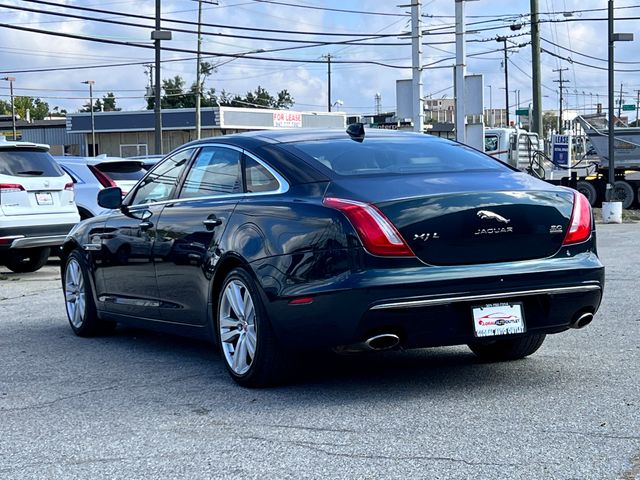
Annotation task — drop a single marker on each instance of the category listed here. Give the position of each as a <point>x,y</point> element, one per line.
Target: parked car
<point>148,161</point>
<point>37,209</point>
<point>277,242</point>
<point>92,174</point>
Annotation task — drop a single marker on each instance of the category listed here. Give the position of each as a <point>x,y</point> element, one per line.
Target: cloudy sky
<point>577,33</point>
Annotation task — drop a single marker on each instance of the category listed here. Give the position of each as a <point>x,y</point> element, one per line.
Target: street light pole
<point>416,65</point>
<point>93,125</point>
<point>198,83</point>
<point>13,106</point>
<point>506,77</point>
<point>157,35</point>
<point>610,195</point>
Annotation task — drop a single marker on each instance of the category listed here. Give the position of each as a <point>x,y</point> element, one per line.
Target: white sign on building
<point>287,119</point>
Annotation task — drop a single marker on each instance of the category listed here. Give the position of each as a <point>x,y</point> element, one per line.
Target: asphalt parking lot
<point>145,405</point>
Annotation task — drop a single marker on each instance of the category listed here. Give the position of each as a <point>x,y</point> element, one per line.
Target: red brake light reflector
<point>580,224</point>
<point>11,187</point>
<point>301,301</point>
<point>68,186</point>
<point>377,233</point>
<point>102,178</point>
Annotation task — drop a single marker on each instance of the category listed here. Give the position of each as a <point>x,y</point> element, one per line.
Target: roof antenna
<point>356,132</point>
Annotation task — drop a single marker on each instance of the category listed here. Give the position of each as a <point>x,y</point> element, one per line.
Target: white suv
<point>37,207</point>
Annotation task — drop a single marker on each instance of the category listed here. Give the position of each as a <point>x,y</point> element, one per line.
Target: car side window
<point>215,171</point>
<point>258,178</point>
<point>159,185</point>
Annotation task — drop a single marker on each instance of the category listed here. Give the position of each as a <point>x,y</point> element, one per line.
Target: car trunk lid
<point>469,218</point>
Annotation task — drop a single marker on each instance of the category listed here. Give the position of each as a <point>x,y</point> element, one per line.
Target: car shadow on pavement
<point>436,370</point>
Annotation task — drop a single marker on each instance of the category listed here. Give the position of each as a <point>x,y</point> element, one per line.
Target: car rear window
<point>395,155</point>
<point>122,170</point>
<point>26,162</point>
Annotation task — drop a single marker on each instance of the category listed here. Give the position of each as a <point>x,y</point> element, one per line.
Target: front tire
<point>78,296</point>
<point>247,343</point>
<point>505,349</point>
<point>25,260</point>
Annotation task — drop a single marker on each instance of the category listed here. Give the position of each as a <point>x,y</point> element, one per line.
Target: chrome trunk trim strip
<point>428,302</point>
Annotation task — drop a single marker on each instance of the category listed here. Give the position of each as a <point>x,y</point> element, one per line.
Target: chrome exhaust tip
<point>582,320</point>
<point>383,342</point>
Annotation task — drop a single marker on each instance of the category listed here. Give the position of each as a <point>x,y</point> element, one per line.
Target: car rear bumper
<point>432,306</point>
<point>33,236</point>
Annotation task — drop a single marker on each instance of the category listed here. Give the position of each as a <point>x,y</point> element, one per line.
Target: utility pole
<point>561,82</point>
<point>328,57</point>
<point>157,35</point>
<point>620,102</point>
<point>198,83</point>
<point>637,106</point>
<point>491,115</point>
<point>416,65</point>
<point>459,73</point>
<point>13,106</point>
<point>506,77</point>
<point>610,192</point>
<point>149,70</point>
<point>536,84</point>
<point>93,125</point>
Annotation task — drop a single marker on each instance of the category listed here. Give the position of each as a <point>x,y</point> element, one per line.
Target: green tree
<point>38,109</point>
<point>5,107</point>
<point>109,103</point>
<point>176,96</point>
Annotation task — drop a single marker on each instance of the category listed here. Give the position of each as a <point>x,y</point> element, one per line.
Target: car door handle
<point>146,225</point>
<point>211,223</point>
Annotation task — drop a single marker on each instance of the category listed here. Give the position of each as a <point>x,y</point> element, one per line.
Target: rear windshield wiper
<point>30,172</point>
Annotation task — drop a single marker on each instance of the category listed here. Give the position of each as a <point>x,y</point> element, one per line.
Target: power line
<point>571,60</point>
<point>586,55</point>
<point>327,9</point>
<point>216,34</point>
<point>214,25</point>
<point>184,50</point>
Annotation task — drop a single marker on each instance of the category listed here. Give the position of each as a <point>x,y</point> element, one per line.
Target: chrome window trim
<point>428,302</point>
<point>283,184</point>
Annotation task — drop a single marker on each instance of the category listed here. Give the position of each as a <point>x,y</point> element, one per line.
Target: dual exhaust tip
<point>581,320</point>
<point>385,341</point>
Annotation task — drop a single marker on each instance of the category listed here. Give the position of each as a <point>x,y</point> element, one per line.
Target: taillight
<point>11,187</point>
<point>68,186</point>
<point>105,181</point>
<point>580,224</point>
<point>377,233</point>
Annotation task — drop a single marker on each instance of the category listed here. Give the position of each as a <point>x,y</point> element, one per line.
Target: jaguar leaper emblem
<point>488,214</point>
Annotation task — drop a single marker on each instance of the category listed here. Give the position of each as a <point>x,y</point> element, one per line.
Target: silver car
<point>92,174</point>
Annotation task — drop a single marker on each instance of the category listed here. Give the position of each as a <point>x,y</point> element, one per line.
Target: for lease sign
<point>287,119</point>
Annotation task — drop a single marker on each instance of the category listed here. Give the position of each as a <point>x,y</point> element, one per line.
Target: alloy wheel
<point>237,327</point>
<point>74,293</point>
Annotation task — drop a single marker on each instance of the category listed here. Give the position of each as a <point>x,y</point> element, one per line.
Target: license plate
<point>44,198</point>
<point>498,319</point>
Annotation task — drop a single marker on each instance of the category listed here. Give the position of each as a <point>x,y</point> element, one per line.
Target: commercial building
<point>127,134</point>
<point>51,132</point>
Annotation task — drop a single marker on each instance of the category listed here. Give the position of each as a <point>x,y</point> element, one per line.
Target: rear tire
<point>26,260</point>
<point>588,190</point>
<point>623,193</point>
<point>78,295</point>
<point>247,343</point>
<point>507,349</point>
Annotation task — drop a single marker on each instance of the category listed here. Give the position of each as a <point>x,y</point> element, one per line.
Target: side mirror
<point>110,198</point>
